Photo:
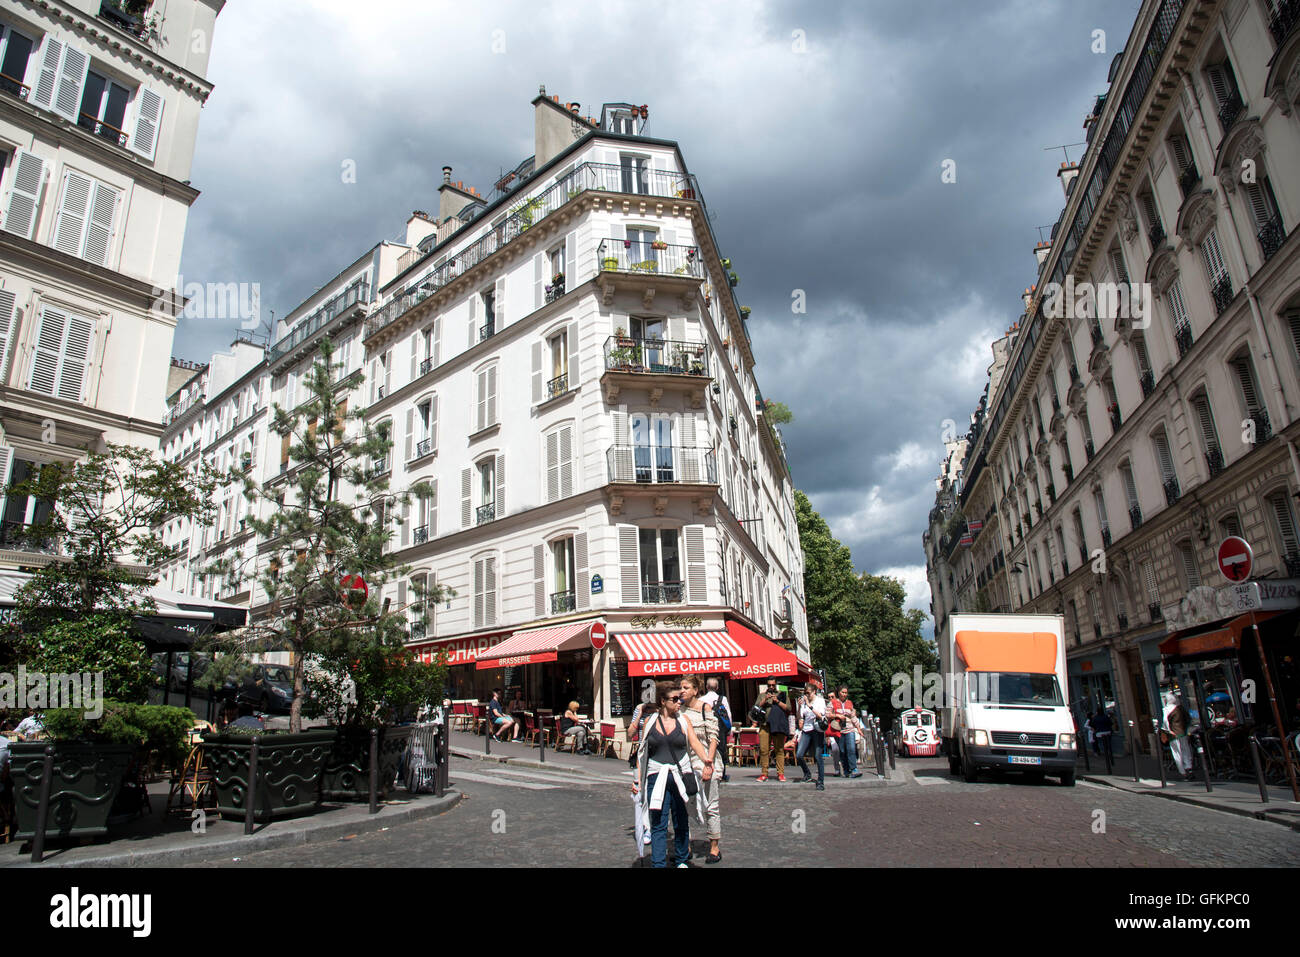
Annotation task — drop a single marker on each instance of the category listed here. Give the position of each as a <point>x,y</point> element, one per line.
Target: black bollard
<point>1159,752</point>
<point>1205,767</point>
<point>1259,770</point>
<point>439,757</point>
<point>43,805</point>
<point>374,770</point>
<point>250,795</point>
<point>878,748</point>
<point>541,744</point>
<point>1133,746</point>
<point>1107,751</point>
<point>1087,762</point>
<point>893,756</point>
<point>487,734</point>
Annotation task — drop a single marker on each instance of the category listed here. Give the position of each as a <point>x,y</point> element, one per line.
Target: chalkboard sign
<point>622,696</point>
<point>512,681</point>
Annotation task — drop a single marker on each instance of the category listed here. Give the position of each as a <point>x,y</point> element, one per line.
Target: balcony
<point>1214,460</point>
<point>417,631</point>
<point>104,131</point>
<point>1284,21</point>
<point>600,177</point>
<point>663,593</point>
<point>677,270</point>
<point>1156,234</point>
<point>1116,419</point>
<point>1135,516</point>
<point>556,289</point>
<point>1105,535</point>
<point>1122,620</point>
<point>420,535</point>
<point>1230,112</point>
<point>563,602</point>
<point>127,14</point>
<point>1172,491</point>
<point>1148,383</point>
<point>15,88</point>
<point>1183,338</point>
<point>426,366</point>
<point>1222,293</point>
<point>485,513</point>
<point>1263,428</point>
<point>15,537</point>
<point>1189,180</point>
<point>357,293</point>
<point>487,331</point>
<point>557,386</point>
<point>662,465</point>
<point>660,365</point>
<point>423,447</point>
<point>1271,235</point>
<point>1153,610</point>
<point>1292,562</point>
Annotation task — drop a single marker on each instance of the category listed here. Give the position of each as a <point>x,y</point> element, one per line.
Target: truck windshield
<point>1011,688</point>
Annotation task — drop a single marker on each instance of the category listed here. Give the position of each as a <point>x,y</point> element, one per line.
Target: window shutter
<point>291,391</point>
<point>70,228</point>
<point>48,78</point>
<point>696,582</point>
<point>571,334</point>
<point>490,591</point>
<point>1262,208</point>
<point>25,194</point>
<point>148,120</point>
<point>1117,264</point>
<point>433,423</point>
<point>473,320</point>
<point>1230,526</point>
<point>571,261</point>
<point>480,406</point>
<point>1181,156</point>
<point>1285,524</point>
<point>388,372</point>
<point>537,373</point>
<point>1209,437</point>
<point>566,461</point>
<point>72,81</point>
<point>1246,380</point>
<point>552,466</point>
<point>1149,208</point>
<point>1213,256</point>
<point>6,462</point>
<point>581,587</point>
<point>49,348</point>
<point>1163,457</point>
<point>410,434</point>
<point>629,565</point>
<point>1218,83</point>
<point>406,523</point>
<point>435,348</point>
<point>624,467</point>
<point>499,304</point>
<point>466,509</point>
<point>539,581</point>
<point>1130,489</point>
<point>1192,573</point>
<point>478,592</point>
<point>8,302</point>
<point>1177,305</point>
<point>688,455</point>
<point>492,396</point>
<point>539,280</point>
<point>76,358</point>
<point>501,487</point>
<point>1293,320</point>
<point>99,233</point>
<point>415,356</point>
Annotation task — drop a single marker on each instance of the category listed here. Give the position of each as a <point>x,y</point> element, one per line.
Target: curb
<point>238,846</point>
<point>1259,815</point>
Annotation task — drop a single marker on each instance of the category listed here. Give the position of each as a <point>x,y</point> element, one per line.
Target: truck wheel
<point>1067,778</point>
<point>954,763</point>
<point>968,769</point>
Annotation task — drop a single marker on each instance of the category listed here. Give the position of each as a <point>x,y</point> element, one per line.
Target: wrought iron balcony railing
<point>527,213</point>
<point>487,331</point>
<point>663,593</point>
<point>105,131</point>
<point>1222,293</point>
<point>557,386</point>
<point>663,356</point>
<point>1189,179</point>
<point>1230,112</point>
<point>1183,338</point>
<point>13,537</point>
<point>417,631</point>
<point>1156,234</point>
<point>1116,420</point>
<point>563,602</point>
<point>426,366</point>
<point>485,513</point>
<point>357,292</point>
<point>1148,383</point>
<point>555,290</point>
<point>1154,611</point>
<point>1263,428</point>
<point>662,465</point>
<point>1214,459</point>
<point>1105,535</point>
<point>14,87</point>
<point>1284,20</point>
<point>420,535</point>
<point>1271,235</point>
<point>1135,516</point>
<point>423,448</point>
<point>1172,491</point>
<point>626,255</point>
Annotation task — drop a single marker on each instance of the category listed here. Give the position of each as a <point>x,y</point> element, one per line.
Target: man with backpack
<point>722,711</point>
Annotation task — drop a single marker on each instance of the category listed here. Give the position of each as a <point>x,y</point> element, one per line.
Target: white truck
<point>1006,701</point>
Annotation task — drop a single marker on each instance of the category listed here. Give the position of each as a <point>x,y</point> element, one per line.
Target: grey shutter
<point>538,382</point>
<point>539,280</point>
<point>473,319</point>
<point>623,465</point>
<point>410,433</point>
<point>478,592</point>
<point>1218,77</point>
<point>688,455</point>
<point>70,228</point>
<point>1166,461</point>
<point>490,591</point>
<point>1209,437</point>
<point>466,499</point>
<point>6,461</point>
<point>480,406</point>
<point>99,232</point>
<point>566,461</point>
<point>582,586</point>
<point>1181,154</point>
<point>401,600</point>
<point>1117,264</point>
<point>501,486</point>
<point>499,304</point>
<point>1190,570</point>
<point>571,346</point>
<point>415,356</point>
<point>539,581</point>
<point>25,194</point>
<point>571,261</point>
<point>696,580</point>
<point>76,358</point>
<point>8,302</point>
<point>552,466</point>
<point>48,77</point>
<point>492,396</point>
<point>433,423</point>
<point>1285,524</point>
<point>148,121</point>
<point>629,565</point>
<point>44,376</point>
<point>437,342</point>
<point>1130,489</point>
<point>1260,206</point>
<point>1246,380</point>
<point>72,81</point>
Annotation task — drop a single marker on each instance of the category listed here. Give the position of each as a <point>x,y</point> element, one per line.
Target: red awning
<point>536,645</point>
<point>678,652</point>
<point>1226,640</point>
<point>763,658</point>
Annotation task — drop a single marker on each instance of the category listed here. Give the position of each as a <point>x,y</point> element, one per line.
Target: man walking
<point>772,730</point>
<point>722,711</point>
<point>842,727</point>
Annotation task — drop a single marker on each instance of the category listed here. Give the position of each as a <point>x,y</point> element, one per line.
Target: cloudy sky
<point>819,132</point>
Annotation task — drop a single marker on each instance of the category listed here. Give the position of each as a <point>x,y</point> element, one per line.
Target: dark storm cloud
<point>821,169</point>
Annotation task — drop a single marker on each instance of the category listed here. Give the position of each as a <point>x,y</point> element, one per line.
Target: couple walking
<point>678,763</point>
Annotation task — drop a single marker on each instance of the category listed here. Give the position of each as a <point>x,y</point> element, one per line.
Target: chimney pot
<point>446,174</point>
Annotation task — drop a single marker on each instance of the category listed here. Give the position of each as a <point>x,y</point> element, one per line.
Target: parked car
<point>180,668</point>
<point>267,688</point>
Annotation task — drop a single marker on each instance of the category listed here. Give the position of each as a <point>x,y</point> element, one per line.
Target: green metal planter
<point>86,782</point>
<point>347,769</point>
<point>288,768</point>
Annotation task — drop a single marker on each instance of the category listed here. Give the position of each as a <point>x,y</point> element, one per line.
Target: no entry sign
<point>598,636</point>
<point>1235,559</point>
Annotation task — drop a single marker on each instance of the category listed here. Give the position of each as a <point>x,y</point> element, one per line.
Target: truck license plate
<point>1022,759</point>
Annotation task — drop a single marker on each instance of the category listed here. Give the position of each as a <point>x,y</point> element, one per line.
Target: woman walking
<point>705,724</point>
<point>664,777</point>
<point>812,719</point>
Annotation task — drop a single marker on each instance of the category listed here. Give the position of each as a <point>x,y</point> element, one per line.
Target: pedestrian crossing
<point>532,779</point>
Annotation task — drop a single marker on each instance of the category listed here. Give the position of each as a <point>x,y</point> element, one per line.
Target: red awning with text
<point>1225,641</point>
<point>536,645</point>
<point>763,658</point>
<point>668,653</point>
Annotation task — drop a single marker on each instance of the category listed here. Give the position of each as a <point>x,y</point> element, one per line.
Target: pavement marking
<point>560,776</point>
<point>492,779</point>
<point>928,780</point>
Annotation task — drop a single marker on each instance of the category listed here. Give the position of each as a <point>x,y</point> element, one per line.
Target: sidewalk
<point>1234,797</point>
<point>152,841</point>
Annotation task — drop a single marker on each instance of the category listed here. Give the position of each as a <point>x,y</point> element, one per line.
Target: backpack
<point>723,714</point>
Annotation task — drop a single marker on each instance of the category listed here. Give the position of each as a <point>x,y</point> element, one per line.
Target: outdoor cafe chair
<point>480,719</point>
<point>561,740</point>
<point>1270,752</point>
<point>533,732</point>
<point>192,783</point>
<point>606,739</point>
<point>747,744</point>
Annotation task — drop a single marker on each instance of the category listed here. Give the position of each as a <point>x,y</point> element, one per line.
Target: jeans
<point>579,732</point>
<point>816,741</point>
<point>659,826</point>
<point>849,752</point>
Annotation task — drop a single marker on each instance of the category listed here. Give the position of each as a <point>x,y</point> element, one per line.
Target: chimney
<point>1027,296</point>
<point>1041,251</point>
<point>554,128</point>
<point>419,226</point>
<point>452,197</point>
<point>446,174</point>
<point>1067,172</point>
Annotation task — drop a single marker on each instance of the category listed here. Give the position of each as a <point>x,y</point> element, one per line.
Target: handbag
<point>819,723</point>
<point>757,715</point>
<point>688,778</point>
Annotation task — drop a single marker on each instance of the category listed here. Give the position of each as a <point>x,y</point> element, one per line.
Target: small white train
<point>916,733</point>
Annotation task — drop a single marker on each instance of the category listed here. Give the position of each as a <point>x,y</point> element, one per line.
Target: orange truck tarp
<point>1008,651</point>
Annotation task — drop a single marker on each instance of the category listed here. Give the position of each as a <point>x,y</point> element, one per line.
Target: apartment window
<point>486,398</point>
<point>1181,152</point>
<point>1279,504</point>
<point>1072,618</point>
<point>559,463</point>
<point>652,440</point>
<point>563,577</point>
<point>1165,461</point>
<point>661,569</point>
<point>1209,435</point>
<point>1094,604</point>
<point>641,252</point>
<point>1153,590</point>
<point>1248,391</point>
<point>1214,266</point>
<point>1146,375</point>
<point>635,173</point>
<point>1079,535</point>
<point>422,429</point>
<point>1155,229</point>
<point>1264,211</point>
<point>1130,489</point>
<point>1187,559</point>
<point>61,360</point>
<point>489,297</point>
<point>103,108</point>
<point>558,347</point>
<point>15,52</point>
<point>1223,84</point>
<point>1230,526</point>
<point>486,487</point>
<point>87,211</point>
<point>381,376</point>
<point>1060,541</point>
<point>20,510</point>
<point>485,591</point>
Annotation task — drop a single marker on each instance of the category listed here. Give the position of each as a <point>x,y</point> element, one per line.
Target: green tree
<point>777,413</point>
<point>330,523</point>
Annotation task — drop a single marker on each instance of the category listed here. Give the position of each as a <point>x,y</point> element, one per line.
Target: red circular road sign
<point>1235,559</point>
<point>354,590</point>
<point>598,636</point>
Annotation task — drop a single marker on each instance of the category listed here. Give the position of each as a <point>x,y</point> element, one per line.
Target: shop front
<point>549,667</point>
<point>464,681</point>
<point>1093,687</point>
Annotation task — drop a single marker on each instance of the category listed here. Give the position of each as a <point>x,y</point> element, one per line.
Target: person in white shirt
<point>712,698</point>
<point>812,712</point>
<point>30,725</point>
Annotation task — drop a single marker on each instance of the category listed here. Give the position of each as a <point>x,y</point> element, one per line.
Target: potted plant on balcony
<point>622,340</point>
<point>733,279</point>
<point>609,263</point>
<point>658,244</point>
<point>744,312</point>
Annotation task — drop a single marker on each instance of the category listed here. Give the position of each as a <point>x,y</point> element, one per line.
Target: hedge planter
<point>86,782</point>
<point>288,768</point>
<point>347,769</point>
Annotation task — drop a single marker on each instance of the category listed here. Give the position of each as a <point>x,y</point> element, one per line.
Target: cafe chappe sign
<point>1207,603</point>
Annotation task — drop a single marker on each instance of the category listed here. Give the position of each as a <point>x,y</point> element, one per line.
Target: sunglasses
<point>674,697</point>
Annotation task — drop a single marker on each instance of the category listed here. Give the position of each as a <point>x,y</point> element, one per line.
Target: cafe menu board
<point>622,691</point>
<point>512,681</point>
